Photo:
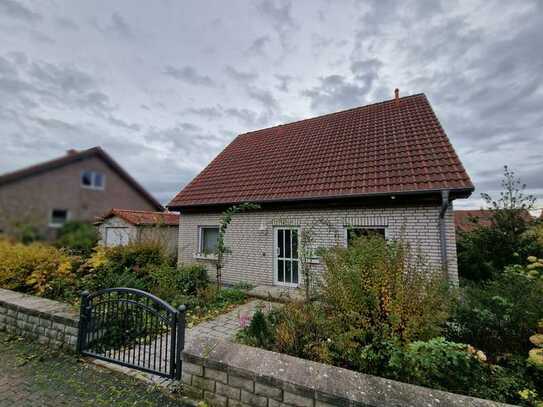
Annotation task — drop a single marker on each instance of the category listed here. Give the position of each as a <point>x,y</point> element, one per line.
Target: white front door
<point>286,262</point>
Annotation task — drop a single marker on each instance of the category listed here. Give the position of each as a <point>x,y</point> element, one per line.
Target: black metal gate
<point>132,328</point>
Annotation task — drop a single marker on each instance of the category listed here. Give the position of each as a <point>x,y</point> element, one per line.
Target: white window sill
<point>202,256</point>
<point>55,225</point>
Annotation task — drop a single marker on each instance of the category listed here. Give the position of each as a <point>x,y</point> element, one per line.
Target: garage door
<point>116,236</point>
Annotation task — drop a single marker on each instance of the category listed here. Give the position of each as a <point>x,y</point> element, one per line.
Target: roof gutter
<point>458,192</point>
<point>445,203</point>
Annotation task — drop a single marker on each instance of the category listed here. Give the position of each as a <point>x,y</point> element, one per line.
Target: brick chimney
<point>397,97</point>
<point>71,151</point>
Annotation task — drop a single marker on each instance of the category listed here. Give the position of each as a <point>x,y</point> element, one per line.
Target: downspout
<point>442,231</point>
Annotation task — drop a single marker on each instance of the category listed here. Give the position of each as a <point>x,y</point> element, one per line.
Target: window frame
<point>200,253</point>
<point>384,228</point>
<point>93,175</point>
<point>51,224</point>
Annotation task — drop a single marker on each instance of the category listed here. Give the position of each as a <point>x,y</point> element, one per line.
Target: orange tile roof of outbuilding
<point>383,148</point>
<point>144,218</point>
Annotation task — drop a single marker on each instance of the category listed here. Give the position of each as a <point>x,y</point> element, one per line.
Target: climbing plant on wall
<point>222,249</point>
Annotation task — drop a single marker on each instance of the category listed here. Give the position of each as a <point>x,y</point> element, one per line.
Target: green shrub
<point>37,269</point>
<point>136,256</point>
<point>77,237</point>
<point>127,278</point>
<point>258,329</point>
<point>27,233</point>
<point>113,265</point>
<point>438,364</point>
<point>192,277</point>
<point>485,252</point>
<point>498,316</point>
<point>177,285</point>
<point>384,290</point>
<point>459,368</point>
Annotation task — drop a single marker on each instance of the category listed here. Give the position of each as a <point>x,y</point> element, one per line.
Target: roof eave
<point>456,193</point>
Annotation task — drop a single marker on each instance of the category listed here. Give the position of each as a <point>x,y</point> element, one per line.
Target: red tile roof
<point>468,220</point>
<point>383,148</point>
<point>144,218</point>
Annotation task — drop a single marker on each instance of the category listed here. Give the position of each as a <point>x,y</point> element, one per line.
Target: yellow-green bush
<point>36,268</point>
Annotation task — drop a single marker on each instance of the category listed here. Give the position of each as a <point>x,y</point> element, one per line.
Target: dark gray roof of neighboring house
<point>74,156</point>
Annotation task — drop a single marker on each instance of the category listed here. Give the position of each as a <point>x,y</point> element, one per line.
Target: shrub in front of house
<point>37,269</point>
<point>123,266</point>
<point>500,315</point>
<point>77,237</point>
<point>371,300</point>
<point>380,314</point>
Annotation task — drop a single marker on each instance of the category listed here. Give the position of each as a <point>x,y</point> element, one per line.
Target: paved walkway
<point>225,326</point>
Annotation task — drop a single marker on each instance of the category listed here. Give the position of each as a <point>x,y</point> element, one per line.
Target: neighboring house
<point>81,185</point>
<point>120,226</point>
<point>386,168</point>
<point>470,219</point>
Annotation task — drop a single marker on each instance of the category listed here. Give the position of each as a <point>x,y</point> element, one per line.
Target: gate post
<point>180,340</point>
<point>83,316</point>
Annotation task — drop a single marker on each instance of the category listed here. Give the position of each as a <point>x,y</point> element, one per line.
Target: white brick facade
<point>251,258</point>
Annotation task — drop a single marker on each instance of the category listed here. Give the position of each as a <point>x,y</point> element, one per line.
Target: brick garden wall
<point>229,374</point>
<point>251,259</point>
<point>50,322</point>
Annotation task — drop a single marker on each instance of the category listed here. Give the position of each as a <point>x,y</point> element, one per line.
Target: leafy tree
<point>509,210</point>
<point>222,249</point>
<point>485,251</point>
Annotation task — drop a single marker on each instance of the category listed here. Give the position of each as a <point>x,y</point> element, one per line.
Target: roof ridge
<point>144,211</point>
<point>49,162</point>
<point>75,156</point>
<point>334,113</point>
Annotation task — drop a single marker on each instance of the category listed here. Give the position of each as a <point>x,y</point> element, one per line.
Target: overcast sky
<point>163,86</point>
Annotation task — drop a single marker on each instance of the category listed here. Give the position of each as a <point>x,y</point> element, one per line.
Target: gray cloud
<point>258,45</point>
<point>337,92</point>
<point>240,76</point>
<point>17,11</point>
<point>116,25</point>
<point>64,84</point>
<point>284,82</point>
<point>213,112</point>
<point>189,75</point>
<point>279,13</point>
<point>120,26</point>
<point>251,119</point>
<point>66,23</point>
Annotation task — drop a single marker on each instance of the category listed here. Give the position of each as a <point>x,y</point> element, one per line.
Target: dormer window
<point>93,180</point>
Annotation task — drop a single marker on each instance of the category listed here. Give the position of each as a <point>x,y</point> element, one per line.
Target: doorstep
<point>276,293</point>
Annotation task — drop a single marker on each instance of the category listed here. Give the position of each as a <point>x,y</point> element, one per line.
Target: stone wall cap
<point>322,381</point>
<point>39,306</point>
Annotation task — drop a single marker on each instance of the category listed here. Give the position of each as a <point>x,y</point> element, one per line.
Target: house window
<point>93,180</point>
<point>209,236</point>
<point>354,232</point>
<point>58,218</point>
